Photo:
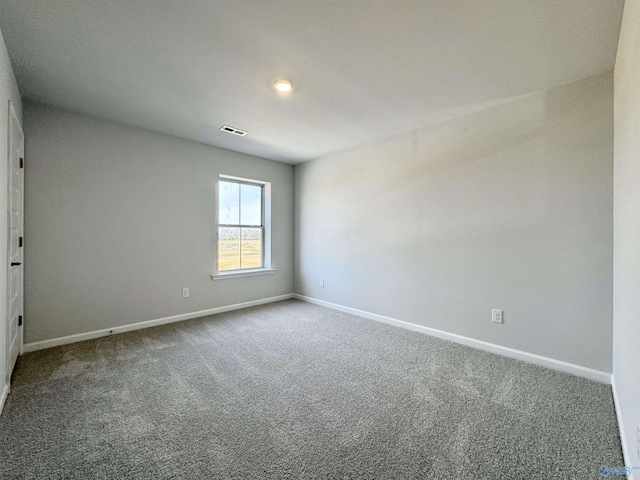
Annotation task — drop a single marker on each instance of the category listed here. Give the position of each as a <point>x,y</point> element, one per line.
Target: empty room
<point>320,239</point>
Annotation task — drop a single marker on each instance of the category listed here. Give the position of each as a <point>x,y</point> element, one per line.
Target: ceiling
<point>363,70</point>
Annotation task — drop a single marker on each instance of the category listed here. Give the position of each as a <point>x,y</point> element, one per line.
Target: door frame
<point>13,122</point>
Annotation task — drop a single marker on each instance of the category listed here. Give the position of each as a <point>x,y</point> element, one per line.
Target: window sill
<point>243,273</point>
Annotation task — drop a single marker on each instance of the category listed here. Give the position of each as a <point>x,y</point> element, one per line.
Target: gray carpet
<point>293,390</point>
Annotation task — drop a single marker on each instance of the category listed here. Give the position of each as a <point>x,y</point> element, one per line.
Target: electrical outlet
<point>497,316</point>
<point>185,292</point>
<point>321,283</point>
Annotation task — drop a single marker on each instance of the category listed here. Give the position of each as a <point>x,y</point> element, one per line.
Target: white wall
<point>508,208</point>
<point>118,220</point>
<point>626,267</point>
<point>8,92</point>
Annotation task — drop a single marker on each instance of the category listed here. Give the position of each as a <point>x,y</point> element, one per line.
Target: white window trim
<point>267,267</point>
<point>243,273</point>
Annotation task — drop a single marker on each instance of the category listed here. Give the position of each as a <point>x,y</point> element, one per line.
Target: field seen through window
<point>239,248</point>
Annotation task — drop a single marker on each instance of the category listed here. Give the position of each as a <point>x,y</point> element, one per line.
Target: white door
<point>16,206</point>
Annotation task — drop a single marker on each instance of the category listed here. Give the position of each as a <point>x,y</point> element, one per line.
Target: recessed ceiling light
<point>283,85</point>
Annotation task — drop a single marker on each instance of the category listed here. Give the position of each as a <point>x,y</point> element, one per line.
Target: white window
<point>244,227</point>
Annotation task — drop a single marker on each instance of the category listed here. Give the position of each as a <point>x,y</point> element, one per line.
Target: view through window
<point>240,225</point>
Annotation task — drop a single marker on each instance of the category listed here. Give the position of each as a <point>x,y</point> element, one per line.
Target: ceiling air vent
<point>232,130</point>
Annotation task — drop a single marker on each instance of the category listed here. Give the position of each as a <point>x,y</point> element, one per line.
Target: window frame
<point>267,266</point>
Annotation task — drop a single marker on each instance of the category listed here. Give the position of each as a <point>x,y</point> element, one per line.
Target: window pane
<point>228,248</point>
<point>251,201</point>
<point>251,247</point>
<point>229,212</point>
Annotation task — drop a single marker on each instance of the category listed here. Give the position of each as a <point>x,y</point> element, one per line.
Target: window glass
<point>251,248</point>
<point>228,248</point>
<point>229,203</point>
<point>251,201</point>
<point>240,225</point>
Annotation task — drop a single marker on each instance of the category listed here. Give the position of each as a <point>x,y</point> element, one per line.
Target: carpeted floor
<point>293,390</point>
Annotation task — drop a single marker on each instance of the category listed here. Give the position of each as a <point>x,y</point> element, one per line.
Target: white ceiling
<point>363,69</point>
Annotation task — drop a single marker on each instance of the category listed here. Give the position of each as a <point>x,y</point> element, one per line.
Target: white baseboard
<point>554,364</point>
<point>3,396</point>
<point>55,342</point>
<point>626,451</point>
<point>591,374</point>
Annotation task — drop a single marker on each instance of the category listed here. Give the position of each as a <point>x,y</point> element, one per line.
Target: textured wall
<point>626,278</point>
<point>119,219</point>
<point>507,208</point>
